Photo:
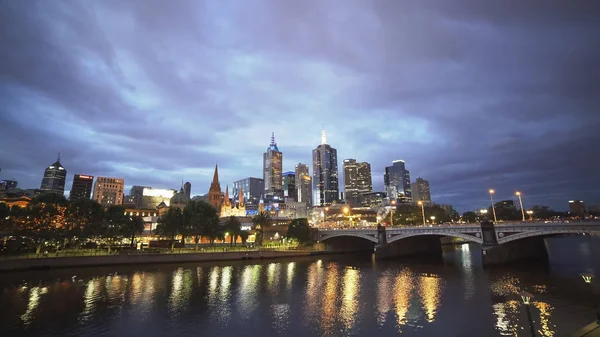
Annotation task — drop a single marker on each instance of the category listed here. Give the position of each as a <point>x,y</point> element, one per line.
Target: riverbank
<point>135,259</point>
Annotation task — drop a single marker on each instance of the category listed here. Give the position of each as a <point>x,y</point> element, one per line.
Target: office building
<point>82,187</point>
<point>325,174</point>
<point>54,178</point>
<point>397,181</point>
<point>303,184</point>
<point>272,170</point>
<point>576,207</point>
<point>372,199</point>
<point>108,191</point>
<point>420,190</point>
<point>187,189</point>
<point>251,188</point>
<point>153,197</point>
<point>289,186</point>
<point>357,180</point>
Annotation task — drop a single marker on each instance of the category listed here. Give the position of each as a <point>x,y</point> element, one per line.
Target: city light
<point>493,207</point>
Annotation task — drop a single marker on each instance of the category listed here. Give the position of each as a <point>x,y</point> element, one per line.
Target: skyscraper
<point>420,190</point>
<point>82,187</point>
<point>325,173</point>
<point>357,180</point>
<point>136,194</point>
<point>109,191</point>
<point>272,170</point>
<point>251,188</point>
<point>289,186</point>
<point>187,189</point>
<point>54,178</point>
<point>397,181</point>
<point>304,184</point>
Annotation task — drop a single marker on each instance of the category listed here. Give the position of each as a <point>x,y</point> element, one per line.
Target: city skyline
<point>523,121</point>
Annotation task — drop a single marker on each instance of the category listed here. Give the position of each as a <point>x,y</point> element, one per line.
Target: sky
<point>472,95</point>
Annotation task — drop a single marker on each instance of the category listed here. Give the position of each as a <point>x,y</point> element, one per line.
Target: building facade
<point>215,196</point>
<point>397,181</point>
<point>576,207</point>
<point>82,187</point>
<point>289,186</point>
<point>230,208</point>
<point>272,170</point>
<point>325,174</point>
<point>357,180</point>
<point>251,189</point>
<point>152,197</point>
<point>304,185</point>
<point>136,194</point>
<point>420,190</point>
<point>108,191</point>
<point>8,184</point>
<point>54,178</point>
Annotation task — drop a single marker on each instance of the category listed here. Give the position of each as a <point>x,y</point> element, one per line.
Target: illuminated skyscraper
<point>272,170</point>
<point>397,181</point>
<point>420,190</point>
<point>82,187</point>
<point>108,191</point>
<point>357,180</point>
<point>325,173</point>
<point>54,178</point>
<point>304,184</point>
<point>289,186</point>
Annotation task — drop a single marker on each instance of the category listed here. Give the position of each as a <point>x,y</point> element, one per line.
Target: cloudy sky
<point>471,94</point>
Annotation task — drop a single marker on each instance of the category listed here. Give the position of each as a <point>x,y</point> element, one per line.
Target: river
<point>344,295</point>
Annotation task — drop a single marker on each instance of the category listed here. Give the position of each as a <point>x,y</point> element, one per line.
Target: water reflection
<point>328,297</point>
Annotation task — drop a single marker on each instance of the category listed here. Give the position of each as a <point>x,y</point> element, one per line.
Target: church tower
<point>215,196</point>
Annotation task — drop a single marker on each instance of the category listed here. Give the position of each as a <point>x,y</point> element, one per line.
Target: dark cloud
<point>471,95</point>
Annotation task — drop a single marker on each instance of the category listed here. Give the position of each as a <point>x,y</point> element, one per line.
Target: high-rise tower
<point>420,190</point>
<point>357,180</point>
<point>304,184</point>
<point>397,181</point>
<point>54,178</point>
<point>272,170</point>
<point>82,187</point>
<point>325,173</point>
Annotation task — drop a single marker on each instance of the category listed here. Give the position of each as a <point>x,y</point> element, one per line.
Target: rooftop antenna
<point>273,138</point>
<point>58,160</point>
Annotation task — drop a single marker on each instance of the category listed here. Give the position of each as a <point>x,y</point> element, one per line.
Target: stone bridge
<point>500,242</point>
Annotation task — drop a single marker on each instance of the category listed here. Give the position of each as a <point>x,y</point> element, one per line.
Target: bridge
<point>501,242</point>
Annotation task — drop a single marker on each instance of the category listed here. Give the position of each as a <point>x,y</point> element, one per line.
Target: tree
<point>43,219</point>
<point>170,224</point>
<point>299,229</point>
<point>506,210</point>
<point>244,236</point>
<point>260,221</point>
<point>469,217</point>
<point>5,219</point>
<point>133,226</point>
<point>79,215</point>
<point>199,216</point>
<point>114,224</point>
<point>234,227</point>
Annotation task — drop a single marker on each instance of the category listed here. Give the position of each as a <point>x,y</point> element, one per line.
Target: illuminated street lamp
<point>587,278</point>
<point>493,208</point>
<point>420,203</point>
<point>521,203</point>
<point>530,212</point>
<point>526,298</point>
<point>392,213</point>
<point>432,219</point>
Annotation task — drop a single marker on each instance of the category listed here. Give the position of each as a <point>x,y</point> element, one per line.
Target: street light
<point>493,208</point>
<point>432,219</point>
<point>521,203</point>
<point>530,212</point>
<point>420,203</point>
<point>526,297</point>
<point>587,278</point>
<point>392,213</point>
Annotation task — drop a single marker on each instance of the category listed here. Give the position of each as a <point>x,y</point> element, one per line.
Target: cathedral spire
<point>241,198</point>
<point>216,176</point>
<point>227,193</point>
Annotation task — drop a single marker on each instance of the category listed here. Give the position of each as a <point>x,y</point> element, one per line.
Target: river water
<point>323,296</point>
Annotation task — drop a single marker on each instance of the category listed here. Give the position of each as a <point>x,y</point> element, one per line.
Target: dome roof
<point>179,198</point>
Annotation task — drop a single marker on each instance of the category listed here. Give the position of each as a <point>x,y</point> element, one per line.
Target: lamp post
<point>493,207</point>
<point>530,212</point>
<point>526,297</point>
<point>392,212</point>
<point>521,203</point>
<point>346,211</point>
<point>420,203</point>
<point>432,219</point>
<point>587,278</point>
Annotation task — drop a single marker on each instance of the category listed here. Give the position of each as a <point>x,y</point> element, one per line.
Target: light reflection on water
<point>304,297</point>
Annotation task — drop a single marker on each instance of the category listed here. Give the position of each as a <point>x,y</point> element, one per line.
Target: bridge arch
<point>501,237</point>
<point>356,235</point>
<point>466,237</point>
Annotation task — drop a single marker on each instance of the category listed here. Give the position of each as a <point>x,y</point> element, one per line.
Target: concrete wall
<point>417,245</point>
<point>85,261</point>
<point>348,243</point>
<point>524,249</point>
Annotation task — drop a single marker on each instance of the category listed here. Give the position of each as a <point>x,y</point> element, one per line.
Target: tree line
<point>506,210</point>
<point>50,220</point>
